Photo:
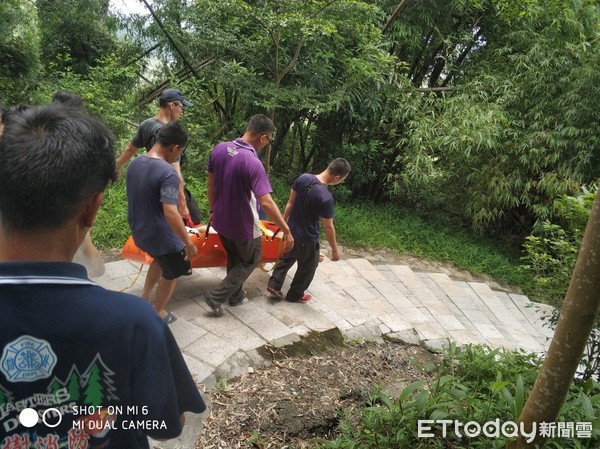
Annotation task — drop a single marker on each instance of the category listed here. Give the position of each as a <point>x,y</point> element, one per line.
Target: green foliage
<point>550,252</point>
<point>473,384</point>
<point>82,30</point>
<point>19,49</point>
<point>197,187</point>
<point>111,229</point>
<point>304,63</point>
<point>519,128</point>
<point>550,255</point>
<point>105,91</point>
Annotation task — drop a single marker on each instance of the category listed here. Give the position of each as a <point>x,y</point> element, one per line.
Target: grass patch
<point>111,229</point>
<point>475,384</point>
<point>386,226</point>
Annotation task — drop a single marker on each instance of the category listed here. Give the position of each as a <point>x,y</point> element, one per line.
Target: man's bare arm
<point>183,209</point>
<point>126,156</point>
<point>174,219</point>
<point>331,238</point>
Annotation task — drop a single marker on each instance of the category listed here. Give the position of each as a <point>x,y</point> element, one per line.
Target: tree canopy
<point>484,108</point>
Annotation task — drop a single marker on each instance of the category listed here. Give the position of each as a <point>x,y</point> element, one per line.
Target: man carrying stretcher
<point>237,184</point>
<point>154,219</point>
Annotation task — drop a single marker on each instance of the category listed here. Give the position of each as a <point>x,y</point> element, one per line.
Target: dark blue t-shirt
<point>313,202</point>
<point>150,183</point>
<point>104,360</point>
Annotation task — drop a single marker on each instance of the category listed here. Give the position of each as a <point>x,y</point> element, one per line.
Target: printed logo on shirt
<point>232,151</point>
<point>27,359</point>
<point>81,403</point>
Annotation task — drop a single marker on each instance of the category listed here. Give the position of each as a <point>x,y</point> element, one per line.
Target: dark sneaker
<point>302,300</point>
<point>216,308</point>
<point>237,301</point>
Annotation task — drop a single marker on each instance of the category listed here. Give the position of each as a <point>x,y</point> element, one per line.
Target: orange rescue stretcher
<point>210,249</point>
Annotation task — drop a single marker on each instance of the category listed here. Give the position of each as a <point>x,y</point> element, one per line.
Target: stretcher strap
<point>279,251</point>
<point>134,281</point>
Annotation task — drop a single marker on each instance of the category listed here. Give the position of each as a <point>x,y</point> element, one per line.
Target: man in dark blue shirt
<point>80,366</point>
<point>310,204</point>
<point>156,226</point>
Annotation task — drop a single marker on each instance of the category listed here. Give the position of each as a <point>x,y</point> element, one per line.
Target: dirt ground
<point>298,400</point>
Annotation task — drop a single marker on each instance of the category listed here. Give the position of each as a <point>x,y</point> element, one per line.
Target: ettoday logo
<point>508,429</point>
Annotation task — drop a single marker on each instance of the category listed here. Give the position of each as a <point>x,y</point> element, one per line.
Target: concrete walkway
<point>362,300</point>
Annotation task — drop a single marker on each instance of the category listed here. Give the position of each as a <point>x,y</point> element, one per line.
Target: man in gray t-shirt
<point>172,103</point>
<point>145,136</point>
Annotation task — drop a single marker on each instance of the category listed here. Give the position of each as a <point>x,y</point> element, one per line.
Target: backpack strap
<point>154,136</point>
<point>307,189</point>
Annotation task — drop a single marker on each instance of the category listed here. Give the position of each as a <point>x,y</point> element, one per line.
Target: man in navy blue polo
<point>310,205</point>
<point>80,366</point>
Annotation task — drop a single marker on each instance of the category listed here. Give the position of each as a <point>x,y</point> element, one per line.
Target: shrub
<point>550,256</point>
<point>476,384</point>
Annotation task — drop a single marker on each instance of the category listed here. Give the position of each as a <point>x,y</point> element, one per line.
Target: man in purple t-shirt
<point>310,203</point>
<point>237,183</point>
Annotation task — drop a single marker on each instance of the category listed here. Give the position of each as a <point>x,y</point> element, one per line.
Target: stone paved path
<point>362,300</point>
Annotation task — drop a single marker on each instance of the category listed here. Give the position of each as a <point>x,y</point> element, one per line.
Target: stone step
<point>357,297</point>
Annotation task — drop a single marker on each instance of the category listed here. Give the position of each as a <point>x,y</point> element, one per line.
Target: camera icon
<point>51,417</point>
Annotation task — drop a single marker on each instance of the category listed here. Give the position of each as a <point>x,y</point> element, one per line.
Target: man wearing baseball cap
<point>175,95</point>
<point>171,103</point>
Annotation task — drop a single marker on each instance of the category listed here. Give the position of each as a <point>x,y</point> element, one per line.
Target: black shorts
<point>174,265</point>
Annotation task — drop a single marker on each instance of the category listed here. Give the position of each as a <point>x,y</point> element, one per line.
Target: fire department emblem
<point>27,359</point>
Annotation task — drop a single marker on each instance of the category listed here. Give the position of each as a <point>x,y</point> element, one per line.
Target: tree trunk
<point>577,317</point>
<point>391,19</point>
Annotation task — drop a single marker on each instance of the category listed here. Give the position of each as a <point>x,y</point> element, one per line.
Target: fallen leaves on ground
<point>298,401</point>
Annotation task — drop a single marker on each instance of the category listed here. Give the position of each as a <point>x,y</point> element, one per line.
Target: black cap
<point>175,95</point>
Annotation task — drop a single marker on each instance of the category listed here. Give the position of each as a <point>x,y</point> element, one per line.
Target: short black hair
<point>14,111</point>
<point>172,133</point>
<point>260,124</point>
<point>339,167</point>
<point>69,99</point>
<point>51,161</point>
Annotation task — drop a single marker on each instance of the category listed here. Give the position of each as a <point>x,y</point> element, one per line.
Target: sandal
<point>276,293</point>
<point>169,318</point>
